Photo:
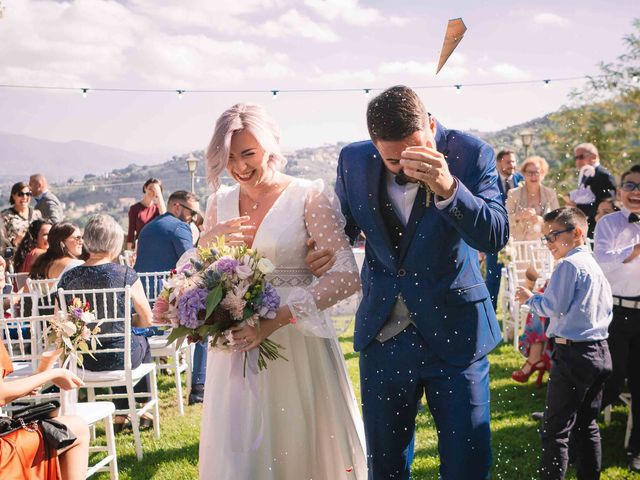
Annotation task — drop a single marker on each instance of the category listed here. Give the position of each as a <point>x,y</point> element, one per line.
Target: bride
<point>298,419</point>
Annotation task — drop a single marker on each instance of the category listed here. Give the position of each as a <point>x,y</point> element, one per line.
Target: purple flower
<point>192,305</point>
<point>269,302</point>
<point>226,265</point>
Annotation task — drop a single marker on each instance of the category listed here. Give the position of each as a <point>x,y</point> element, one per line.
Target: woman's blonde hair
<point>253,119</point>
<point>539,162</point>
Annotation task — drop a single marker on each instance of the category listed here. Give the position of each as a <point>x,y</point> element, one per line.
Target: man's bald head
<point>38,184</point>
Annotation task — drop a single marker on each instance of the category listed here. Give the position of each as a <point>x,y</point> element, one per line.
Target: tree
<point>606,112</point>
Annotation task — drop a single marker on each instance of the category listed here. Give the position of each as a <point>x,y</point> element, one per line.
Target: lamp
<point>526,136</point>
<point>192,164</point>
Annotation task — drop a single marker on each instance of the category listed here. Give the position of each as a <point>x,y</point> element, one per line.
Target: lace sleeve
<point>325,224</point>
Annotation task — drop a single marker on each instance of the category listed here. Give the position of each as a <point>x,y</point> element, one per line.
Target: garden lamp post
<point>526,136</point>
<point>192,163</point>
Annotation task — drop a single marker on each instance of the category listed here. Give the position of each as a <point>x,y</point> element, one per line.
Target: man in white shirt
<point>617,250</point>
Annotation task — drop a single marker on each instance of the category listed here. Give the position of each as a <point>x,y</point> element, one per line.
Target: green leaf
<point>213,299</point>
<point>247,312</point>
<point>177,332</point>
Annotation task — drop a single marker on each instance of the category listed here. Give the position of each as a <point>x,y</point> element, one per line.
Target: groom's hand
<point>318,261</point>
<point>428,165</point>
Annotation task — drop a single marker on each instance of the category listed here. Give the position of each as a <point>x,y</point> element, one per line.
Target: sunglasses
<point>581,156</point>
<point>193,212</point>
<point>24,194</point>
<point>553,236</point>
<point>630,186</point>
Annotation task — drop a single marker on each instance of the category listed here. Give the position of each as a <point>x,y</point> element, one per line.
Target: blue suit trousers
<point>394,375</point>
<point>494,272</point>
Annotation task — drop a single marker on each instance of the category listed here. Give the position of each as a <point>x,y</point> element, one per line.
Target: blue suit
<point>161,243</point>
<point>494,268</point>
<point>435,268</point>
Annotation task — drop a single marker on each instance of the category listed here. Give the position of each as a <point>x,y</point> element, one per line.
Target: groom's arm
<point>476,210</point>
<point>351,228</point>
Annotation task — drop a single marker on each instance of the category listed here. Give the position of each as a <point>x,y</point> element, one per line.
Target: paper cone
<point>453,36</point>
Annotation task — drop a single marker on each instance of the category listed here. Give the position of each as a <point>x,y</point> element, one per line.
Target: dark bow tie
<point>401,178</point>
<point>633,218</point>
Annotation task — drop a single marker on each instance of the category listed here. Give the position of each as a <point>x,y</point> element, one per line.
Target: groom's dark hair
<point>395,113</point>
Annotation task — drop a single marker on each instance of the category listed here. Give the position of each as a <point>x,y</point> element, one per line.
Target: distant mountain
<point>21,156</point>
<point>110,180</point>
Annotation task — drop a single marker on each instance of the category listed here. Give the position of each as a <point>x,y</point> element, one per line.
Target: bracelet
<point>293,321</point>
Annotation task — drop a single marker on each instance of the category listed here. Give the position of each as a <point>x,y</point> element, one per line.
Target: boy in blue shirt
<point>578,303</point>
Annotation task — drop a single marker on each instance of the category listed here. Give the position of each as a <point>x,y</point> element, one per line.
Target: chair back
<point>23,339</point>
<point>112,306</point>
<point>152,284</point>
<point>531,252</point>
<point>44,294</point>
<point>18,280</point>
<point>17,304</point>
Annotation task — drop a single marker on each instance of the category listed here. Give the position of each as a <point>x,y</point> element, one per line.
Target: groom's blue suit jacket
<point>435,267</point>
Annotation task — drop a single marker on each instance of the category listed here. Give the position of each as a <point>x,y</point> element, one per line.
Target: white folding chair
<point>18,280</point>
<point>152,284</point>
<point>105,304</point>
<point>44,293</point>
<point>22,337</point>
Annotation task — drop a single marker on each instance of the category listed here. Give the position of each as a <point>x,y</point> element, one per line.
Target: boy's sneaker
<point>634,462</point>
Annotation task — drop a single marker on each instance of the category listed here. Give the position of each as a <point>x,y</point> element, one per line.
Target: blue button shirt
<point>578,299</point>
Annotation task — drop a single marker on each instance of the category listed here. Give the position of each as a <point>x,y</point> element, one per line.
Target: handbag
<point>55,434</point>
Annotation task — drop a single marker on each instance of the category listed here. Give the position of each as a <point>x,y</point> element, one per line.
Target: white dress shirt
<point>614,241</point>
<point>402,197</point>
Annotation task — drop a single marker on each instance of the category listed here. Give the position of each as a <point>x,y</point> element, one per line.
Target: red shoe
<point>523,377</point>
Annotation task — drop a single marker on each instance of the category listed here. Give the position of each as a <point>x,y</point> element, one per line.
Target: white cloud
<point>92,43</point>
<point>454,69</point>
<point>292,23</point>
<point>510,72</point>
<point>550,19</point>
<point>348,11</point>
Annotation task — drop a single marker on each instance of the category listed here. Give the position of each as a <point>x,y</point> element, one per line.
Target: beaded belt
<point>290,277</point>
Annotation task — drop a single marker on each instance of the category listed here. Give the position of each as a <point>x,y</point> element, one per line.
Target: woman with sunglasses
<point>64,253</point>
<point>20,214</point>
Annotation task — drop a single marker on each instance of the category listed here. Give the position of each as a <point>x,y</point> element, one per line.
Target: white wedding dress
<point>300,420</point>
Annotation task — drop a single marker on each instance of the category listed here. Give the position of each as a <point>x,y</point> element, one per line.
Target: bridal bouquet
<point>219,289</point>
<point>69,331</point>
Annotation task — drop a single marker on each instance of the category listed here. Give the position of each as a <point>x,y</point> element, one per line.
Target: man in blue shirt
<point>579,306</point>
<point>160,245</point>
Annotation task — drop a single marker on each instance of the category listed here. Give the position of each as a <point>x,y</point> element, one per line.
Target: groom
<point>427,199</point>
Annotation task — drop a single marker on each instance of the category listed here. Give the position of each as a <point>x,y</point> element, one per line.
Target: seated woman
<point>103,238</point>
<point>34,244</point>
<point>65,250</point>
<point>20,214</point>
<point>23,453</point>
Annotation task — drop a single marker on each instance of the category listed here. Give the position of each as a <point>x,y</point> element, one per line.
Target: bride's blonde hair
<point>251,118</point>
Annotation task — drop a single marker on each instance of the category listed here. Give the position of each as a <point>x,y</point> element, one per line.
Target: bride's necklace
<point>255,204</point>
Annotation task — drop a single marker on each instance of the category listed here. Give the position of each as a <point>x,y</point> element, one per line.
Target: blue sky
<point>287,44</point>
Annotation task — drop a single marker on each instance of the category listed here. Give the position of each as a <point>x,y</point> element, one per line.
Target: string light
<point>84,92</point>
<point>367,91</point>
<point>274,93</point>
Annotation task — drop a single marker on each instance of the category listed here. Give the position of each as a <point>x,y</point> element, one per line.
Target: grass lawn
<point>515,441</point>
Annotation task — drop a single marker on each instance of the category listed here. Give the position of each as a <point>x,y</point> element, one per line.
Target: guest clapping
<point>527,203</point>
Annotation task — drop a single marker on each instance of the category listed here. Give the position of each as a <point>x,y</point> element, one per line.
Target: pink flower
<point>85,334</point>
<point>234,304</point>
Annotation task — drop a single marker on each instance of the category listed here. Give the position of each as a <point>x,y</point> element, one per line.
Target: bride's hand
<point>249,337</point>
<point>233,230</point>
